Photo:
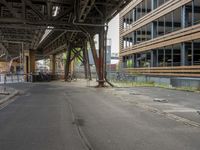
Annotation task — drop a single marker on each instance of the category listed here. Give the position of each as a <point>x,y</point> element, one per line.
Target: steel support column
<point>99,61</point>
<point>52,64</point>
<point>102,47</point>
<point>86,62</point>
<point>67,63</point>
<point>94,54</point>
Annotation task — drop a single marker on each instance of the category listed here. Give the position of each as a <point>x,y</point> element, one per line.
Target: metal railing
<point>11,78</point>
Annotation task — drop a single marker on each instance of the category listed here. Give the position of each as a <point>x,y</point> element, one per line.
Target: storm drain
<point>160,100</point>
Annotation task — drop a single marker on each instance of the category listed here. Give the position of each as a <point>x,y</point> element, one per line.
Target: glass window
<point>177,55</point>
<point>148,32</point>
<point>160,57</point>
<point>168,23</point>
<point>188,50</point>
<point>177,19</point>
<point>196,45</point>
<point>160,2</point>
<point>148,6</point>
<point>188,13</point>
<point>168,56</point>
<point>196,11</point>
<point>161,22</point>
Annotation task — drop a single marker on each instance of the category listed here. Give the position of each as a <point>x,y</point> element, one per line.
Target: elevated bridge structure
<point>71,24</point>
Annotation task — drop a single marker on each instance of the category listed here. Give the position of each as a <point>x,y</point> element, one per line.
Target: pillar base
<point>101,84</point>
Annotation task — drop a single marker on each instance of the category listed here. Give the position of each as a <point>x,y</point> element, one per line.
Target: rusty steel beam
<point>34,15</point>
<point>85,7</point>
<point>76,54</point>
<point>101,79</point>
<point>30,4</point>
<point>88,61</point>
<point>94,54</point>
<point>10,8</point>
<point>85,61</point>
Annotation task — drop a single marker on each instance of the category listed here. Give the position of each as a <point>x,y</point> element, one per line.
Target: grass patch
<point>126,84</point>
<point>132,84</point>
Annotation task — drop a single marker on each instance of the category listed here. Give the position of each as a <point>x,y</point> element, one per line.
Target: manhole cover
<point>160,100</point>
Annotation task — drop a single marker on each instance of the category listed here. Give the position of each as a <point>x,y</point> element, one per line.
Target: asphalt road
<point>42,118</point>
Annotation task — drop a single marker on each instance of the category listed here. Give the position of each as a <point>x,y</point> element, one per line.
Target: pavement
<point>74,116</point>
<point>6,95</point>
<point>182,104</point>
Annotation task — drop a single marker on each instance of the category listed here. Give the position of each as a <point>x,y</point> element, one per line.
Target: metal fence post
<point>5,79</point>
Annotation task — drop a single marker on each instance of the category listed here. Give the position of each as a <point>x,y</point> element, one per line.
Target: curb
<point>15,93</point>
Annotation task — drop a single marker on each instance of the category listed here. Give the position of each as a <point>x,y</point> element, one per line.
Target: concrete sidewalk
<point>181,106</point>
<point>6,94</point>
<point>111,121</point>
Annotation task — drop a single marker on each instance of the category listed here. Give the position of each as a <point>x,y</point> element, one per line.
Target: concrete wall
<point>173,81</point>
<point>185,82</point>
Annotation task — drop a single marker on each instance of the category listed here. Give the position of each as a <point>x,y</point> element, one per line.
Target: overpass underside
<point>69,26</point>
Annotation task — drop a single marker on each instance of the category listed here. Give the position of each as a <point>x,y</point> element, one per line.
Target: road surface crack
<point>78,122</point>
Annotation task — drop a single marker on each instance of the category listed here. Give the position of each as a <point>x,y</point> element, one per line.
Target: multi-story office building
<point>161,37</point>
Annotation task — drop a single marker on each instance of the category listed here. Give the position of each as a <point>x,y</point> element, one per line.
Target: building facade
<point>161,37</point>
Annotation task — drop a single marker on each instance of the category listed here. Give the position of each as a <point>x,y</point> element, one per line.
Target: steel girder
<point>71,21</point>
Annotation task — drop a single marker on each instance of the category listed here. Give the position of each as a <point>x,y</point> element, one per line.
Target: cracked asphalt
<point>46,117</point>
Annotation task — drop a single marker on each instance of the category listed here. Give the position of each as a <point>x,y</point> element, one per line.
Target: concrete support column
<point>52,64</point>
<point>29,63</point>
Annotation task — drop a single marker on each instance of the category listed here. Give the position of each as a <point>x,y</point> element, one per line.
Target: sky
<point>113,34</point>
